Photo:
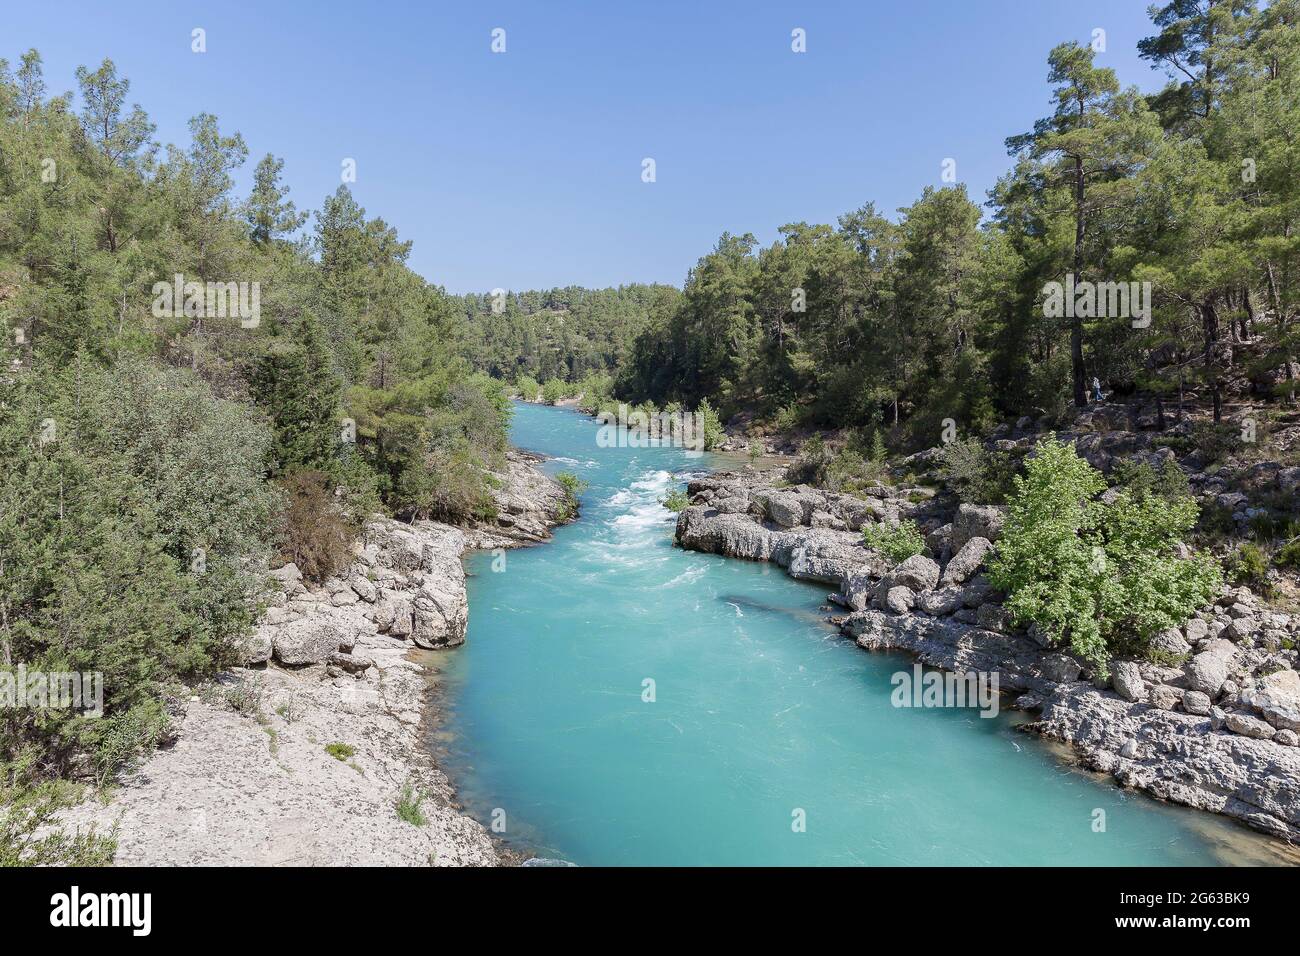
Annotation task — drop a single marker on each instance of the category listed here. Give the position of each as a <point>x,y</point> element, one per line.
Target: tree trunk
<point>1210,322</point>
<point>1076,324</point>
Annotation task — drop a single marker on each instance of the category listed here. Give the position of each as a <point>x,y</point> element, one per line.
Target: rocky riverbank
<point>303,754</point>
<point>1214,727</point>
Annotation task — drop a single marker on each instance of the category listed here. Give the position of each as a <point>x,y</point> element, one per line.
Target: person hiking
<point>1096,389</point>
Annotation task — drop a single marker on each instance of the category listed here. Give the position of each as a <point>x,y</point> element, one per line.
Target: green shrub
<point>1248,566</point>
<point>597,393</point>
<point>1216,442</point>
<point>811,465</point>
<point>1139,479</point>
<point>677,500</point>
<point>787,419</point>
<point>976,474</point>
<point>30,834</point>
<point>408,806</point>
<point>528,387</point>
<point>1093,574</point>
<point>340,751</point>
<point>1288,556</point>
<point>554,390</point>
<point>573,486</point>
<point>709,425</point>
<point>897,542</point>
<point>134,516</point>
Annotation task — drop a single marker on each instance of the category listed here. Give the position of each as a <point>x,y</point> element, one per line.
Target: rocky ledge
<point>301,755</point>
<point>1213,727</point>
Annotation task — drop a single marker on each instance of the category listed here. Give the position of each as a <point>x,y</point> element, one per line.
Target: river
<point>770,739</point>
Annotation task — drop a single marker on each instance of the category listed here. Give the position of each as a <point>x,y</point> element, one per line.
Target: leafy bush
<point>528,387</point>
<point>1140,479</point>
<point>976,474</point>
<point>30,834</point>
<point>811,465</point>
<point>1216,442</point>
<point>317,538</point>
<point>597,393</point>
<point>409,802</point>
<point>1288,556</point>
<point>897,542</point>
<point>340,751</point>
<point>787,419</point>
<point>133,518</point>
<point>554,390</point>
<point>1094,574</point>
<point>573,486</point>
<point>676,500</point>
<point>430,443</point>
<point>709,424</point>
<point>1248,566</point>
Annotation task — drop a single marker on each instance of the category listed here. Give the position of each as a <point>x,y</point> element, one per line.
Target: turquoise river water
<point>763,714</point>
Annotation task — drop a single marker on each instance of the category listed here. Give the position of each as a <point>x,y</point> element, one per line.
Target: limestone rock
<point>976,521</point>
<point>900,600</point>
<point>918,573</point>
<point>1277,698</point>
<point>785,509</point>
<point>1170,641</point>
<point>967,560</point>
<point>1195,631</point>
<point>1208,670</point>
<point>1126,679</point>
<point>938,603</point>
<point>1248,726</point>
<point>305,641</point>
<point>1165,697</point>
<point>256,648</point>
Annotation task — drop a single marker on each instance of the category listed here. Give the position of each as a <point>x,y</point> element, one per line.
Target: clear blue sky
<point>523,169</point>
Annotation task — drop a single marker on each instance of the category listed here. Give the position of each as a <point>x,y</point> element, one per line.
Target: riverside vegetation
<point>154,461</point>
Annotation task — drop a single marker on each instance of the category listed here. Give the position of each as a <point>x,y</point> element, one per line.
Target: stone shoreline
<point>246,778</point>
<point>1218,732</point>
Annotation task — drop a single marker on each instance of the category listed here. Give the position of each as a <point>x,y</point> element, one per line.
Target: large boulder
<point>440,614</point>
<point>785,509</point>
<point>917,572</point>
<point>976,521</point>
<point>1208,670</point>
<point>900,600</point>
<point>735,536</point>
<point>257,647</point>
<point>309,640</point>
<point>858,587</point>
<point>967,560</point>
<point>1277,698</point>
<point>1248,726</point>
<point>393,615</point>
<point>1196,630</point>
<point>939,603</point>
<point>1126,679</point>
<point>823,554</point>
<point>1170,641</point>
